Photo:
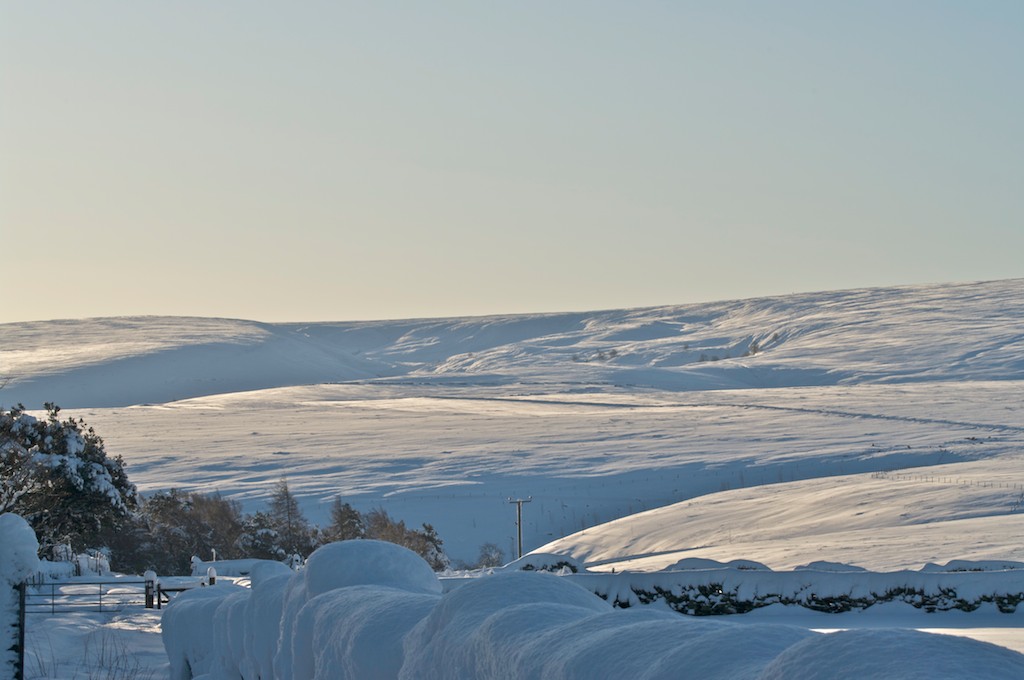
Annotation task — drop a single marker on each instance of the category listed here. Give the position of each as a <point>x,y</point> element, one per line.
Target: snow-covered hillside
<point>929,333</point>
<point>596,416</point>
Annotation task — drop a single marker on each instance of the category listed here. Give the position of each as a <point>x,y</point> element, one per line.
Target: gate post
<point>151,588</point>
<point>19,664</point>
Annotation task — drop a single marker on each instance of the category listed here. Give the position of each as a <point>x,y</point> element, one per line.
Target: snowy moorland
<point>753,429</point>
<point>879,428</point>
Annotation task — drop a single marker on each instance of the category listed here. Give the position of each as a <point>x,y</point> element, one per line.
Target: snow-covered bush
<point>57,475</point>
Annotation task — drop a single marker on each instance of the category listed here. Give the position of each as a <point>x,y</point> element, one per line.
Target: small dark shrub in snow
<point>490,556</point>
<point>556,567</point>
<point>545,562</point>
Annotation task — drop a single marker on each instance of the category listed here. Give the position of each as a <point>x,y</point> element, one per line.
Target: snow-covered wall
<point>18,561</point>
<point>365,609</point>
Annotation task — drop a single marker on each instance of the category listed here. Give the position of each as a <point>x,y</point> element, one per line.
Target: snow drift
<point>365,609</point>
<point>18,561</point>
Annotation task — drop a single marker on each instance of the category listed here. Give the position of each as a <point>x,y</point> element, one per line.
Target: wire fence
<point>1017,505</point>
<point>938,479</point>
<point>84,596</point>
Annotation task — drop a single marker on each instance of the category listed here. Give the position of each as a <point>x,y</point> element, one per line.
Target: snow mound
<point>973,565</point>
<point>344,565</point>
<point>689,563</point>
<point>518,624</point>
<point>18,561</point>
<point>522,625</point>
<point>243,567</point>
<point>357,632</point>
<point>736,654</point>
<point>365,562</point>
<point>263,619</point>
<point>265,570</point>
<point>822,565</point>
<point>906,654</point>
<point>456,638</point>
<point>188,624</point>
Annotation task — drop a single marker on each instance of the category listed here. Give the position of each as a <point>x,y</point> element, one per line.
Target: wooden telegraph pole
<point>519,519</point>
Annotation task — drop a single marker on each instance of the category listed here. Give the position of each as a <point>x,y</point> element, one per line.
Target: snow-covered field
<point>880,428</point>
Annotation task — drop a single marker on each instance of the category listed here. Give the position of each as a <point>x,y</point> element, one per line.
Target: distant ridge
<point>878,335</point>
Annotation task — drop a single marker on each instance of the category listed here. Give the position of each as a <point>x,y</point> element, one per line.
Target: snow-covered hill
<point>926,333</point>
<point>596,416</point>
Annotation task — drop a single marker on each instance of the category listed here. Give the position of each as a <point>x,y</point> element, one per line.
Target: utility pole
<point>519,518</point>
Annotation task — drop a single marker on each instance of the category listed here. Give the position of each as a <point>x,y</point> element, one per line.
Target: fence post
<point>19,668</point>
<point>151,582</point>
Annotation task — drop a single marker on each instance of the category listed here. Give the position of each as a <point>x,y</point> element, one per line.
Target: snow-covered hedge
<point>700,586</point>
<point>739,590</point>
<point>364,609</point>
<point>18,561</point>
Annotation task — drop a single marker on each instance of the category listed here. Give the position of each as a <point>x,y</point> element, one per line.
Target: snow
<point>348,609</point>
<point>520,624</point>
<point>263,620</point>
<point>447,641</point>
<point>872,429</point>
<point>863,336</point>
<point>358,631</point>
<point>18,561</point>
<point>397,574</point>
<point>189,629</point>
<point>724,589</point>
<point>908,654</point>
<point>123,644</point>
<point>242,567</point>
<point>352,563</point>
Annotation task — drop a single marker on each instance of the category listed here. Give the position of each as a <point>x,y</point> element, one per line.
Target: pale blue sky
<point>332,161</point>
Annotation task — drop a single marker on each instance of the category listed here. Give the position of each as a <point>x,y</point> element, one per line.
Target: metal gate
<point>64,597</point>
